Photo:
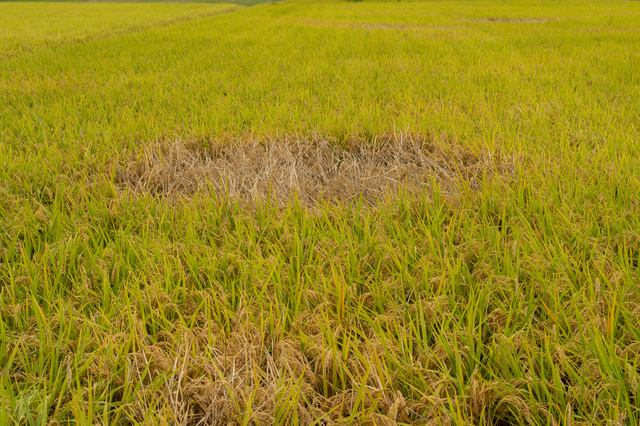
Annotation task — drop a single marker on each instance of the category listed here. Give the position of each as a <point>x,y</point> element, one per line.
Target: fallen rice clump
<point>309,169</point>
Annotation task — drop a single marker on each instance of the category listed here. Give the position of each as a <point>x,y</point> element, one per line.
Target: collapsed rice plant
<point>310,169</point>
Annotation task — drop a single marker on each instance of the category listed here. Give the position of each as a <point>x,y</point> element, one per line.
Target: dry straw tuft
<point>310,169</point>
<point>242,379</point>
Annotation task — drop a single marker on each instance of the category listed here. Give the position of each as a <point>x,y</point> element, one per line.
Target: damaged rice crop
<point>311,169</point>
<point>508,295</point>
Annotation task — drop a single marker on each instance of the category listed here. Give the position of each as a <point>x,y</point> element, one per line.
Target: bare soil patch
<point>311,169</point>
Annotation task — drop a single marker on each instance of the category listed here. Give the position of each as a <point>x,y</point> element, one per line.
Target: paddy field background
<point>320,213</point>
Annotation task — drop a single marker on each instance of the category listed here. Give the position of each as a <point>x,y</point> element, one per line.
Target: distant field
<point>320,213</point>
<point>28,26</point>
<point>238,2</point>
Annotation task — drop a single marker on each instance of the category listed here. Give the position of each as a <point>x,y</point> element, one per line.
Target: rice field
<point>320,213</point>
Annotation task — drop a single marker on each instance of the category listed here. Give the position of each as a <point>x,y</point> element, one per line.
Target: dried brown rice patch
<point>312,169</point>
